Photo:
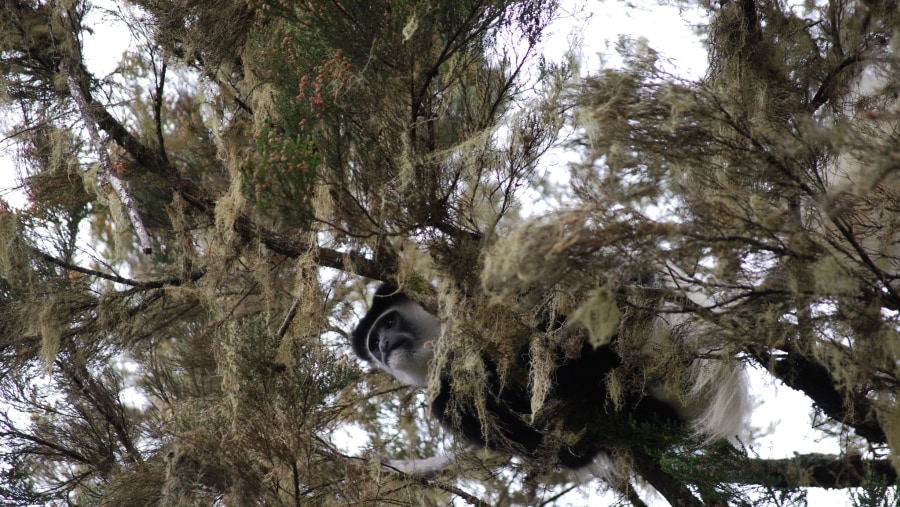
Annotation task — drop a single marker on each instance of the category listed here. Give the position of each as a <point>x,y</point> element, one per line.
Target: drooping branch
<point>120,187</point>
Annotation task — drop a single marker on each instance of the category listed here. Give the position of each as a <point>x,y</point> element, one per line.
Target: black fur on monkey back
<point>579,405</point>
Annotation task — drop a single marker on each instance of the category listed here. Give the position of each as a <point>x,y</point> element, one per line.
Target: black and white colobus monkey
<point>397,335</point>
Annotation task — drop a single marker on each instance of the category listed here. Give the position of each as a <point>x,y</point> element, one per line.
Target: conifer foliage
<point>200,225</point>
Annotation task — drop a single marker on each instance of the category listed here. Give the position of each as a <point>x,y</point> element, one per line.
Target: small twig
<point>119,186</point>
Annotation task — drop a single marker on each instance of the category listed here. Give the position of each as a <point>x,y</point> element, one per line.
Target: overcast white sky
<point>667,31</point>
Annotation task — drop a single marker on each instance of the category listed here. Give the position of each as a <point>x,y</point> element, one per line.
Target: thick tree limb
<point>674,491</point>
<point>801,471</point>
<point>805,374</point>
<point>818,470</point>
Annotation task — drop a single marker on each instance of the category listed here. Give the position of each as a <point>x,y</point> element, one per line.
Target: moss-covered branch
<point>816,470</point>
<point>807,375</point>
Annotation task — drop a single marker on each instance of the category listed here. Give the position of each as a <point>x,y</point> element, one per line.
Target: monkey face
<point>400,342</point>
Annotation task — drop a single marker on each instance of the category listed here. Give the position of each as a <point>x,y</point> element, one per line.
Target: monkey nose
<point>389,343</point>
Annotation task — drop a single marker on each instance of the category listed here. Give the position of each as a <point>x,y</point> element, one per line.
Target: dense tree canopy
<point>201,226</point>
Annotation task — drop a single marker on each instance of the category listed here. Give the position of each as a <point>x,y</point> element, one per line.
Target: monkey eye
<point>390,322</point>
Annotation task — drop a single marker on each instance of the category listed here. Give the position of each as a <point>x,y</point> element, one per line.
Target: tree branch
<point>803,373</point>
<point>817,470</point>
<point>292,312</point>
<point>674,491</point>
<point>120,187</point>
<point>821,96</point>
<point>157,109</point>
<point>351,262</point>
<point>152,284</point>
<point>72,455</point>
<point>379,269</point>
<point>418,475</point>
<point>107,404</point>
